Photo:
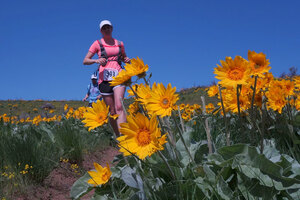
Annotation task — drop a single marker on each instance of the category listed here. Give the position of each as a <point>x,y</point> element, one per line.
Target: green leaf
<point>99,197</point>
<point>81,187</point>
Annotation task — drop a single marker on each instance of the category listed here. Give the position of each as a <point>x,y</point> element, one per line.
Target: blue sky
<point>43,43</point>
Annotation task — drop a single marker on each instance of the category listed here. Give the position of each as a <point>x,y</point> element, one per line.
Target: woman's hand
<point>101,61</point>
<point>126,60</point>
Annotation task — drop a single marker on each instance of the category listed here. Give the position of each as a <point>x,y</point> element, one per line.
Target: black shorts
<point>106,89</point>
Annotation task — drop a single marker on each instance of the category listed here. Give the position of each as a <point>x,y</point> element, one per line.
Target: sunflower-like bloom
<point>124,77</point>
<point>284,87</point>
<point>186,116</point>
<point>213,91</point>
<point>78,114</point>
<point>231,103</point>
<point>182,106</point>
<point>137,67</point>
<point>276,102</point>
<point>162,100</point>
<point>258,99</point>
<point>233,72</point>
<point>261,83</point>
<point>134,87</point>
<point>296,80</point>
<point>288,86</point>
<point>141,136</point>
<point>97,115</point>
<point>100,176</point>
<point>209,107</point>
<point>258,63</point>
<point>133,108</point>
<point>297,103</point>
<point>66,107</point>
<point>277,95</point>
<point>269,78</point>
<point>144,92</point>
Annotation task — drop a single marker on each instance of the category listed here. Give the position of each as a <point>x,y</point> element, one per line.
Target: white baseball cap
<point>104,22</point>
<point>94,76</point>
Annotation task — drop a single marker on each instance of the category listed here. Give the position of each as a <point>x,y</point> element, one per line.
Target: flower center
<point>279,102</point>
<point>101,117</point>
<point>235,74</point>
<point>165,103</point>
<point>143,137</point>
<point>105,176</point>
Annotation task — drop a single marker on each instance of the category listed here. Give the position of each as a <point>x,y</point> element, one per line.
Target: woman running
<point>111,54</point>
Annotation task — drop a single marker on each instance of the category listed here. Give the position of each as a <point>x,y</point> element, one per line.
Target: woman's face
<point>106,30</point>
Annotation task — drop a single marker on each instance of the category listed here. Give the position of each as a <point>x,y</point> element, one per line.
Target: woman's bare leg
<point>118,95</point>
<point>109,100</point>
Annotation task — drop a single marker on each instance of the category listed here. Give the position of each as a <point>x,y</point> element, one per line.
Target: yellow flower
<point>276,102</point>
<point>181,106</point>
<point>197,106</point>
<point>137,67</point>
<point>261,83</point>
<point>233,72</point>
<point>66,107</point>
<point>115,116</point>
<point>297,82</point>
<point>133,108</point>
<point>100,176</point>
<point>124,77</point>
<point>185,116</point>
<point>144,92</point>
<point>213,91</point>
<point>134,87</point>
<point>258,99</point>
<point>231,103</point>
<point>258,63</point>
<point>288,86</point>
<point>141,136</point>
<point>36,120</point>
<point>96,115</point>
<point>209,107</point>
<point>78,114</point>
<point>162,100</point>
<point>297,103</point>
<point>281,87</point>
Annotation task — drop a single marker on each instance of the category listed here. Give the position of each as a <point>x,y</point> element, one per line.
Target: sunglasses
<point>106,27</point>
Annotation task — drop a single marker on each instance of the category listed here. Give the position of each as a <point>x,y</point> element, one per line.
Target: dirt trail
<point>58,184</point>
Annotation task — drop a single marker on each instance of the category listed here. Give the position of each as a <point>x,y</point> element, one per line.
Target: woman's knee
<point>119,108</point>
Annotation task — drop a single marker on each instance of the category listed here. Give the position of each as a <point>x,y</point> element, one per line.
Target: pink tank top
<point>112,67</point>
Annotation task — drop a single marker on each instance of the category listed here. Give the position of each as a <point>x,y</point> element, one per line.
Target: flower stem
<point>145,81</point>
<point>207,129</point>
<point>253,96</point>
<point>123,106</point>
<point>238,99</point>
<point>182,139</point>
<point>263,118</point>
<point>225,118</point>
<point>166,162</point>
<point>181,121</point>
<point>141,107</point>
<point>252,116</point>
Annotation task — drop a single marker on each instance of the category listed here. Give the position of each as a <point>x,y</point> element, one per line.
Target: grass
<point>41,148</point>
<point>25,109</point>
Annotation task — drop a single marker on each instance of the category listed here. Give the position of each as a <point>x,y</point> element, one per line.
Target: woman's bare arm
<point>89,61</point>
